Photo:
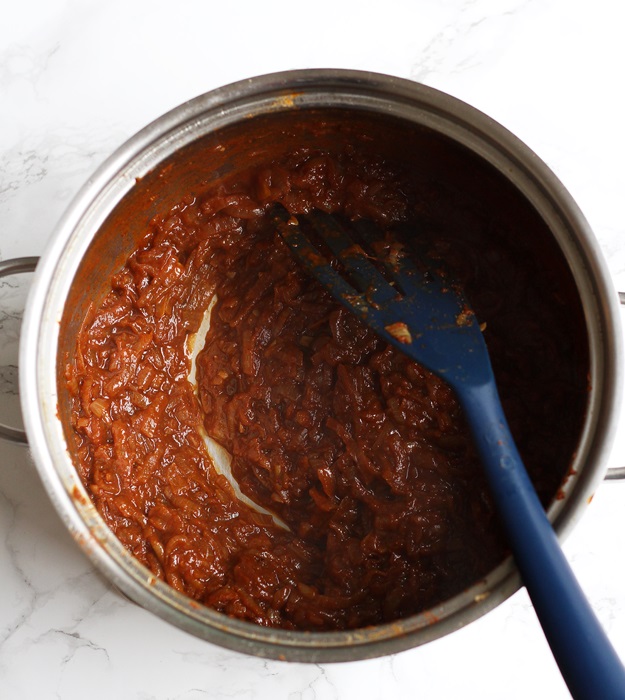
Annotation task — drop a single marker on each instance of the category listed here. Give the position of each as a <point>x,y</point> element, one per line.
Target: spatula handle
<point>586,658</point>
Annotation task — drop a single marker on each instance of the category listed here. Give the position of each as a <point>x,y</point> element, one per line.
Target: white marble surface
<point>77,79</point>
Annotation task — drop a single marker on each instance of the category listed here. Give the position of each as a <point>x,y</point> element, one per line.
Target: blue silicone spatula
<point>425,315</point>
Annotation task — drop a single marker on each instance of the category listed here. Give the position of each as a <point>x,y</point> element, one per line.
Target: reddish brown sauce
<point>360,451</point>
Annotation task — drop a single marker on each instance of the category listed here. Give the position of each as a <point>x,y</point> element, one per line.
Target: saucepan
<point>146,176</point>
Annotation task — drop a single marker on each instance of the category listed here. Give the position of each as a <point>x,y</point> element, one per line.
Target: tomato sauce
<point>362,453</point>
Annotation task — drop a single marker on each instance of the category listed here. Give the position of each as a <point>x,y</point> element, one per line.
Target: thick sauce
<point>360,451</point>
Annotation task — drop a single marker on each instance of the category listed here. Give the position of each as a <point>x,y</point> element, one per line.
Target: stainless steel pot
<point>142,163</point>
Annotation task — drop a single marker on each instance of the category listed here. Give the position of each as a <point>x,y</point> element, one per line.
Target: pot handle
<point>617,472</point>
<point>13,267</point>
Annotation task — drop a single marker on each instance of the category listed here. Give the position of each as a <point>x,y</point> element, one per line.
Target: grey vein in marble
<point>9,379</point>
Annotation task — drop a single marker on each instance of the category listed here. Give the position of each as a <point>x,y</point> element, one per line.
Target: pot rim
<point>286,91</point>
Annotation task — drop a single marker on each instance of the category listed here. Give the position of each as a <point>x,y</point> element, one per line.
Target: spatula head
<point>411,301</point>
